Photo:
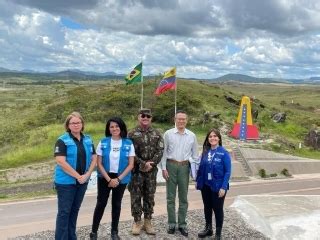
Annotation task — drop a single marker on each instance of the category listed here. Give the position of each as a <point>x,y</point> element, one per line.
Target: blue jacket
<point>61,177</point>
<point>124,156</point>
<point>219,168</point>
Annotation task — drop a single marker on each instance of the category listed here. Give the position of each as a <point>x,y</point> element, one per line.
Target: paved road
<point>20,218</point>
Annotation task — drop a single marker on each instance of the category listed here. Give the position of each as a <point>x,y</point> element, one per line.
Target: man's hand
<point>148,166</point>
<point>165,174</point>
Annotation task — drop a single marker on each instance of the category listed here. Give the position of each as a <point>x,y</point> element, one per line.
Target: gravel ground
<point>234,228</point>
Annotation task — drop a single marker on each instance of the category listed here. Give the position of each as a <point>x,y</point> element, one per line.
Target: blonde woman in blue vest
<point>76,159</point>
<point>115,162</point>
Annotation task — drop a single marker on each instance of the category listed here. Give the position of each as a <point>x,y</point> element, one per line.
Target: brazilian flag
<point>135,76</point>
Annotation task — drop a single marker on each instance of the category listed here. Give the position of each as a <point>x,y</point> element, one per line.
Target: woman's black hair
<point>206,144</point>
<point>121,124</point>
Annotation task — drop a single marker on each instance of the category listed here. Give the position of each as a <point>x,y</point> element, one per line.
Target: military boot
<point>136,227</point>
<point>148,227</point>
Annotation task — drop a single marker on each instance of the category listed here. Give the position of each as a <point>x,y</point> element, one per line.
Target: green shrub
<point>2,196</point>
<point>285,172</point>
<point>262,173</point>
<point>273,175</point>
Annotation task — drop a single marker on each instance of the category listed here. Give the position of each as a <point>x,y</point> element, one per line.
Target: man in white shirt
<point>180,149</point>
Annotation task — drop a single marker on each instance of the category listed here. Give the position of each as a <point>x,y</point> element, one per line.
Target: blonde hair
<point>67,121</point>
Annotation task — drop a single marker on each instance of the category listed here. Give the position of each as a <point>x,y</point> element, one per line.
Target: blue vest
<point>124,157</point>
<point>220,170</point>
<point>61,177</point>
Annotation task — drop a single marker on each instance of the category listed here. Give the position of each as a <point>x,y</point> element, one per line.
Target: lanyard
<point>211,155</point>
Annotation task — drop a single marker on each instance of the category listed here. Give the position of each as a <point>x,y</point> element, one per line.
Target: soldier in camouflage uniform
<point>148,144</point>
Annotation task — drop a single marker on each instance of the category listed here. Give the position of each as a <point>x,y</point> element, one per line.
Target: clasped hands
<point>83,178</point>
<point>114,182</point>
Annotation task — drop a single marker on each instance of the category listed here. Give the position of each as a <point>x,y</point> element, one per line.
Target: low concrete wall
<point>275,162</point>
<point>237,170</point>
<point>294,167</point>
<point>29,172</point>
<point>251,154</point>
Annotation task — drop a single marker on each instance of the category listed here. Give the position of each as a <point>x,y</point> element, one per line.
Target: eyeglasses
<point>75,123</point>
<point>145,116</point>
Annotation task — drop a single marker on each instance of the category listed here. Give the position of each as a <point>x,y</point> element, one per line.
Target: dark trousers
<point>102,200</point>
<point>70,197</point>
<point>212,202</point>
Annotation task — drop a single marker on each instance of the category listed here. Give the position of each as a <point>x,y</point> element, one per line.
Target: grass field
<point>307,96</point>
<point>33,113</point>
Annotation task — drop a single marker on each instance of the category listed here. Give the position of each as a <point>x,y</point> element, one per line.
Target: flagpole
<point>175,95</point>
<point>141,86</point>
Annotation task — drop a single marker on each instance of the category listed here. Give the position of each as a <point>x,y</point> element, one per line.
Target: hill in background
<point>74,74</point>
<point>33,112</point>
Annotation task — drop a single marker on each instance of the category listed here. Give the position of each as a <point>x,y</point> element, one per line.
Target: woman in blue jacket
<point>76,159</point>
<point>213,181</point>
<point>115,162</point>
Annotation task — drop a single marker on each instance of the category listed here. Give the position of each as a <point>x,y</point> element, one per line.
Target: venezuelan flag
<point>168,82</point>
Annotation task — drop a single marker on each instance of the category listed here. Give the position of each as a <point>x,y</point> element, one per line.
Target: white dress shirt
<point>179,146</point>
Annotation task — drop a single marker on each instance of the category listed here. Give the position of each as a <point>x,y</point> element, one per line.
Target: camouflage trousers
<point>142,189</point>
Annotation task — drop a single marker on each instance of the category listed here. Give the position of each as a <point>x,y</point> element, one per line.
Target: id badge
<point>209,176</point>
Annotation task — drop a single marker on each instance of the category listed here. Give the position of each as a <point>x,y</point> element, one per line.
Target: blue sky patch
<point>67,22</point>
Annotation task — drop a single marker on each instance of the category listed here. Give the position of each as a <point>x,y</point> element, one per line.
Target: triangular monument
<point>244,129</point>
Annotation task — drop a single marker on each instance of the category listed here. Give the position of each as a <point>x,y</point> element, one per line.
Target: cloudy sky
<point>203,38</point>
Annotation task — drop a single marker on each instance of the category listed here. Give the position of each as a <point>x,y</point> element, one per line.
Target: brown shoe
<point>136,228</point>
<point>148,227</point>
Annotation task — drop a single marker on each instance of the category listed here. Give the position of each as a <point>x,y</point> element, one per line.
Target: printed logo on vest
<point>56,150</point>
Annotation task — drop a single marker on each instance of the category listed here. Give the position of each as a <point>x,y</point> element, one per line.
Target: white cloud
<point>204,39</point>
<point>263,50</point>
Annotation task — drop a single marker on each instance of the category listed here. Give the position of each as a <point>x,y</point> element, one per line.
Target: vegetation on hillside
<point>299,103</point>
<point>33,114</point>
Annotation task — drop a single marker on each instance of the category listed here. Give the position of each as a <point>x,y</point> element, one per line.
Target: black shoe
<point>183,231</point>
<point>217,237</point>
<point>93,236</point>
<point>114,235</point>
<point>171,230</point>
<point>207,231</point>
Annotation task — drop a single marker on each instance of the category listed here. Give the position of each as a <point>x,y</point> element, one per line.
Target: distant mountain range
<point>248,79</point>
<point>74,74</point>
<point>70,72</point>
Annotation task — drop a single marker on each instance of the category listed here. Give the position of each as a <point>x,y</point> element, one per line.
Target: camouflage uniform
<point>148,144</point>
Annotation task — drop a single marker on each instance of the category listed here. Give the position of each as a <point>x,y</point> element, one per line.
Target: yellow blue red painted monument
<point>243,128</point>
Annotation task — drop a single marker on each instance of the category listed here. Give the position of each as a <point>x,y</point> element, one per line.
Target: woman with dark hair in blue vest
<point>115,162</point>
<point>76,159</point>
<point>213,181</point>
